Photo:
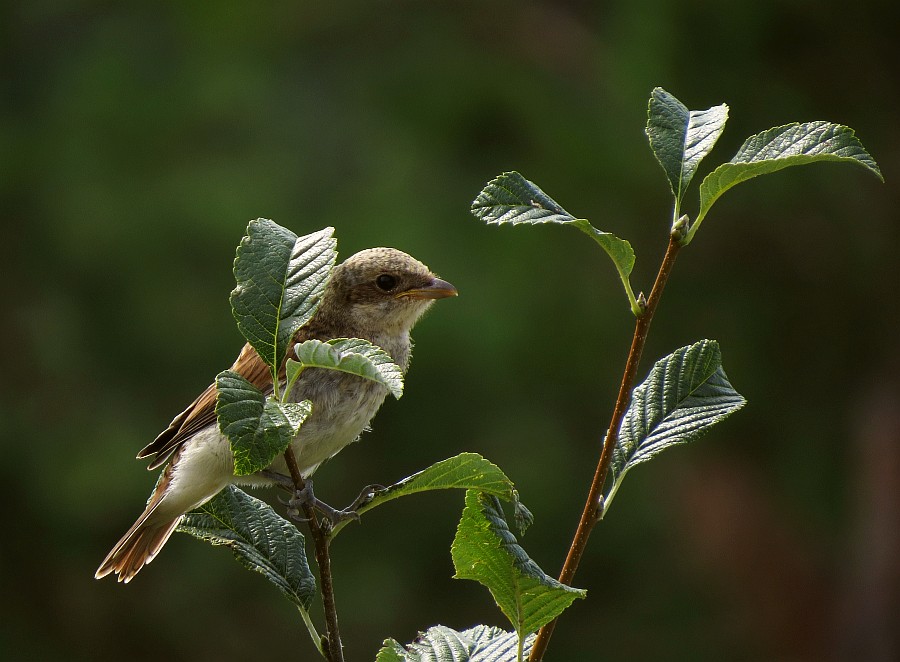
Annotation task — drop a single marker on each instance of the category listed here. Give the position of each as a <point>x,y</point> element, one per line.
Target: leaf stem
<point>593,506</point>
<point>632,301</point>
<point>290,381</point>
<point>313,633</point>
<point>276,391</point>
<point>334,651</point>
<point>693,228</point>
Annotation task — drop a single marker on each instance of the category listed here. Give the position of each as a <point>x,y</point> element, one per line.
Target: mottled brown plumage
<point>378,295</point>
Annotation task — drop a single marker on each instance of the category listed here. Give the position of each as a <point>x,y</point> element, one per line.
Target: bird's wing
<point>202,411</point>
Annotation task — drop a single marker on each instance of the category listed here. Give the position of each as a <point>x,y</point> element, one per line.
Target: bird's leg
<point>279,479</point>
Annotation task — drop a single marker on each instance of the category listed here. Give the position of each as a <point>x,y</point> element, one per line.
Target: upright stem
<point>333,651</point>
<point>592,507</point>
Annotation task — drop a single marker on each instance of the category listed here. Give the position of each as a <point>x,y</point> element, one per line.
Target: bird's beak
<point>437,289</point>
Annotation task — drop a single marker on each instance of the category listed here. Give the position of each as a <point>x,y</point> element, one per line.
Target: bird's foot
<point>333,516</point>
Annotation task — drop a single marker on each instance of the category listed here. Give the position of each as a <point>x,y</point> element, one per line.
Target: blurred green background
<point>139,139</point>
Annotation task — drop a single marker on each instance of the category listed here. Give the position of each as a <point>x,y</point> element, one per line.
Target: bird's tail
<point>189,481</point>
<point>139,545</point>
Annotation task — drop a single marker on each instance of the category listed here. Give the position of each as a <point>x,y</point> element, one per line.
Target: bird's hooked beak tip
<point>437,289</point>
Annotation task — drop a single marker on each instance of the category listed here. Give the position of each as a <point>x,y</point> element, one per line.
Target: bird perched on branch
<point>377,295</point>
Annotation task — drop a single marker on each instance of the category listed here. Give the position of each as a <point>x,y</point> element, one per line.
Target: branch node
<point>681,228</point>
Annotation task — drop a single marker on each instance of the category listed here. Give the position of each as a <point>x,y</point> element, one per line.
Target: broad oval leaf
<point>486,551</point>
<point>481,643</point>
<point>280,278</point>
<point>463,471</point>
<point>510,198</point>
<point>685,394</point>
<point>258,428</point>
<point>681,138</point>
<point>260,539</point>
<point>351,355</point>
<point>782,147</point>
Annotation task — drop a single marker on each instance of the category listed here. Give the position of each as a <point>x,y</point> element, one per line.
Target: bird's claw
<point>293,509</point>
<point>368,493</point>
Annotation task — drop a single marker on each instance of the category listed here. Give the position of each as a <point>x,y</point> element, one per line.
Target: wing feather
<point>202,411</point>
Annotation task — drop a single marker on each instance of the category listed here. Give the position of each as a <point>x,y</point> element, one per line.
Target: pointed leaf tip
<point>486,551</point>
<point>680,138</point>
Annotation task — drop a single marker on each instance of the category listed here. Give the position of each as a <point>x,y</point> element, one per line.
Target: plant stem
<point>334,651</point>
<point>592,508</point>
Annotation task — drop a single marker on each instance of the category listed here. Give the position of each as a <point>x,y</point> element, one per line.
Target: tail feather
<point>138,546</point>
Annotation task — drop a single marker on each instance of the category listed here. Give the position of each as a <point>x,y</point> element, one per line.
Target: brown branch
<point>334,652</point>
<point>592,506</point>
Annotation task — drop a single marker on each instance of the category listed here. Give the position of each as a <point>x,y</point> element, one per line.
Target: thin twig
<point>590,515</point>
<point>334,651</point>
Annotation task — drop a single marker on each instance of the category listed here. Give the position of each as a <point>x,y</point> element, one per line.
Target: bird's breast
<point>343,405</point>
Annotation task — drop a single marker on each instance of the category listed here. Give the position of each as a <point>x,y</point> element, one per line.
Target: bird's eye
<point>386,282</point>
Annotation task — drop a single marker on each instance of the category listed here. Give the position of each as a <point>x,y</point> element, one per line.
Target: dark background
<point>138,141</point>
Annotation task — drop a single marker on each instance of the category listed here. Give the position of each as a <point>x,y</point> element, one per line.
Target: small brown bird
<point>378,295</point>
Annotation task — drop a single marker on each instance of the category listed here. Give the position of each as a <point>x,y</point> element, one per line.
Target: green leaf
<point>510,198</point>
<point>782,147</point>
<point>258,428</point>
<point>619,250</point>
<point>260,539</point>
<point>496,645</point>
<point>685,394</point>
<point>280,278</point>
<point>681,138</point>
<point>392,651</point>
<point>481,643</point>
<point>464,471</point>
<point>486,551</point>
<point>352,355</point>
<point>295,413</point>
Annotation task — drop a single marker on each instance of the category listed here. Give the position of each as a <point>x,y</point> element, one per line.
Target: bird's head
<point>384,289</point>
